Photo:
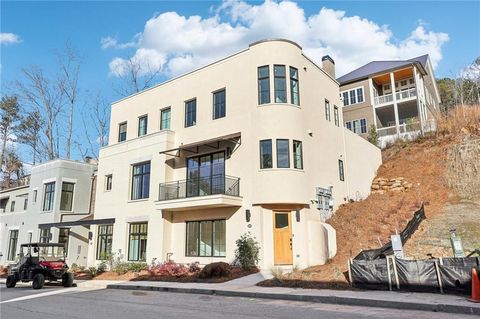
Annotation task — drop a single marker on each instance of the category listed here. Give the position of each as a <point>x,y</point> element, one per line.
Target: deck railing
<point>402,95</point>
<point>203,186</point>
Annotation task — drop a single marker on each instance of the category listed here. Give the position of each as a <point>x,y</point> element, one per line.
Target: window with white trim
<point>357,126</point>
<point>353,96</point>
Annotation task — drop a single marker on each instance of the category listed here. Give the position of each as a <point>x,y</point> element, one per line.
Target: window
<point>411,81</point>
<point>206,239</point>
<point>35,196</point>
<point>263,84</point>
<point>294,90</point>
<point>359,95</point>
<point>346,100</point>
<point>142,125</point>
<point>63,235</point>
<point>12,206</point>
<point>283,156</point>
<point>165,117</point>
<point>12,245</point>
<point>336,115</point>
<point>266,156</point>
<point>48,196</point>
<point>206,174</point>
<point>357,126</point>
<point>29,237</point>
<point>340,170</point>
<point>122,132</point>
<point>327,111</point>
<point>297,155</point>
<point>363,126</point>
<point>348,125</point>
<point>219,105</point>
<point>353,96</point>
<point>191,113</point>
<point>66,200</point>
<point>104,241</point>
<point>108,182</point>
<point>45,235</point>
<point>137,242</point>
<point>403,83</point>
<point>280,84</point>
<point>25,204</point>
<point>141,181</point>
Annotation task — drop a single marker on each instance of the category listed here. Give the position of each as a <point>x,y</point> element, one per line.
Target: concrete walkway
<point>245,287</point>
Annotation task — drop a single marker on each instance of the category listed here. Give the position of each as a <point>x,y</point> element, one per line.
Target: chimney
<point>328,65</point>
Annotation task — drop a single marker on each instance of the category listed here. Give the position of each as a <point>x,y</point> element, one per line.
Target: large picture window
<point>137,242</point>
<point>191,113</point>
<point>206,239</point>
<point>219,104</point>
<point>266,155</point>
<point>48,197</point>
<point>294,89</point>
<point>104,241</point>
<point>263,84</point>
<point>297,155</point>
<point>66,200</point>
<point>165,118</point>
<point>283,156</point>
<point>12,245</point>
<point>142,125</point>
<point>141,181</point>
<point>206,174</point>
<point>280,84</point>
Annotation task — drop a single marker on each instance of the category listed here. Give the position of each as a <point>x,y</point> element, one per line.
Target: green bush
<point>248,251</point>
<point>136,266</point>
<point>372,135</point>
<point>92,271</point>
<point>102,267</point>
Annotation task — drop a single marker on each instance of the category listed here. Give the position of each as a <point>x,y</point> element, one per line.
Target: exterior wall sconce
<point>248,215</point>
<point>297,215</point>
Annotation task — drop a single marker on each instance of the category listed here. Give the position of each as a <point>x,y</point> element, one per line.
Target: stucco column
<point>395,105</point>
<point>372,101</point>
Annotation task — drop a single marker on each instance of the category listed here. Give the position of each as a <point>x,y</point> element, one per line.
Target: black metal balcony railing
<point>203,186</point>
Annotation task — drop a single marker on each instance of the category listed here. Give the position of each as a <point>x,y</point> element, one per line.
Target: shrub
<point>372,135</point>
<point>102,267</point>
<point>247,252</point>
<point>136,266</point>
<point>194,267</point>
<point>74,267</point>
<point>92,271</point>
<point>168,268</point>
<point>218,269</point>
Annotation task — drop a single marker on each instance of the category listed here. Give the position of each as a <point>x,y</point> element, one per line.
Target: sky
<point>178,36</point>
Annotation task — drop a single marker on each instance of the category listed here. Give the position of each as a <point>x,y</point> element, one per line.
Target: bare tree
<point>96,121</point>
<point>9,116</point>
<point>137,76</point>
<point>69,63</point>
<point>29,130</point>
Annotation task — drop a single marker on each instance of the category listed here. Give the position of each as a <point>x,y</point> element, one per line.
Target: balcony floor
<point>199,202</point>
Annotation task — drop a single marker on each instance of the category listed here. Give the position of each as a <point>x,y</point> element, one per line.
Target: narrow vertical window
<point>280,84</point>
<point>35,196</point>
<point>327,111</point>
<point>63,236</point>
<point>66,200</point>
<point>346,100</point>
<point>219,104</point>
<point>122,132</point>
<point>352,97</point>
<point>356,126</point>
<point>266,158</point>
<point>12,245</point>
<point>336,115</point>
<point>360,95</point>
<point>297,155</point>
<point>363,125</point>
<point>45,235</point>
<point>294,89</point>
<point>12,206</point>
<point>48,196</point>
<point>137,243</point>
<point>348,125</point>
<point>104,241</point>
<point>141,181</point>
<point>283,156</point>
<point>165,118</point>
<point>25,204</point>
<point>191,113</point>
<point>142,125</point>
<point>340,170</point>
<point>263,84</point>
<point>108,182</point>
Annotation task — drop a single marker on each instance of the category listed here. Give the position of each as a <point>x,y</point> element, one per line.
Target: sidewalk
<point>245,287</point>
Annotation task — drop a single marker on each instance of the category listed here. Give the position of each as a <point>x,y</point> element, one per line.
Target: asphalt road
<point>58,302</point>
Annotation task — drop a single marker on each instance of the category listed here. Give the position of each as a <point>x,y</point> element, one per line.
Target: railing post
<point>178,189</point>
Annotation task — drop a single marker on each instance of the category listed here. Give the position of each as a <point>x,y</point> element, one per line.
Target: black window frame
<point>363,128</point>
<point>198,222</point>
<point>287,142</point>
<point>12,206</point>
<point>162,119</point>
<point>360,95</point>
<point>223,110</point>
<point>139,233</point>
<point>50,193</point>
<point>294,80</point>
<point>122,136</point>
<point>341,170</point>
<point>336,115</point>
<point>12,244</point>
<point>328,115</point>
<point>25,203</point>
<point>108,182</point>
<point>191,121</point>
<point>346,98</point>
<point>261,89</point>
<point>44,237</point>
<point>65,237</point>
<point>142,175</point>
<point>145,128</point>
<point>262,166</point>
<point>107,238</point>
<point>72,192</point>
<point>282,78</point>
<point>295,155</point>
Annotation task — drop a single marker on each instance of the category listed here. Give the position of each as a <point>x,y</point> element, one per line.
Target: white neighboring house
<point>46,209</point>
<point>251,143</point>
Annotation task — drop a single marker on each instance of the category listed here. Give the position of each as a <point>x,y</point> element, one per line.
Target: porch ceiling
<point>398,75</point>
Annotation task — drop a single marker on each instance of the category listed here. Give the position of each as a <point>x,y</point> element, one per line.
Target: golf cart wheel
<point>67,279</point>
<point>11,282</point>
<point>38,281</point>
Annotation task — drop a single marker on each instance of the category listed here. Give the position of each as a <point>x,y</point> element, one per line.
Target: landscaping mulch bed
<point>295,283</point>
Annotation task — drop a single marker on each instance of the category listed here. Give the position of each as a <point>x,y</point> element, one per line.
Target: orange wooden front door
<point>282,238</point>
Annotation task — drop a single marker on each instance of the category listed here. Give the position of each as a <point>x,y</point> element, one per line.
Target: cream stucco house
<point>253,143</point>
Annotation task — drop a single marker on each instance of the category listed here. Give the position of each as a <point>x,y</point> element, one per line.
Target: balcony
<point>401,96</point>
<point>203,192</point>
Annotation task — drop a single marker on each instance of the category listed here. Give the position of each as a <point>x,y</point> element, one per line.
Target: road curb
<point>347,301</point>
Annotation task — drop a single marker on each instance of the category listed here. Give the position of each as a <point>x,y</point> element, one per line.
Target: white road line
<point>50,293</point>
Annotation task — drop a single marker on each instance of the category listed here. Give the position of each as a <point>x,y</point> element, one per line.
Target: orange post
<point>475,286</point>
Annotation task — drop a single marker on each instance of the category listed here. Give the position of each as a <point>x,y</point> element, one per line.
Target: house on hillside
<point>54,205</point>
<point>400,99</point>
<point>251,143</point>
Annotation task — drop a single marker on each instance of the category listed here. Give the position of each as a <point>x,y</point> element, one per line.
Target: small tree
<point>247,252</point>
<point>373,135</point>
